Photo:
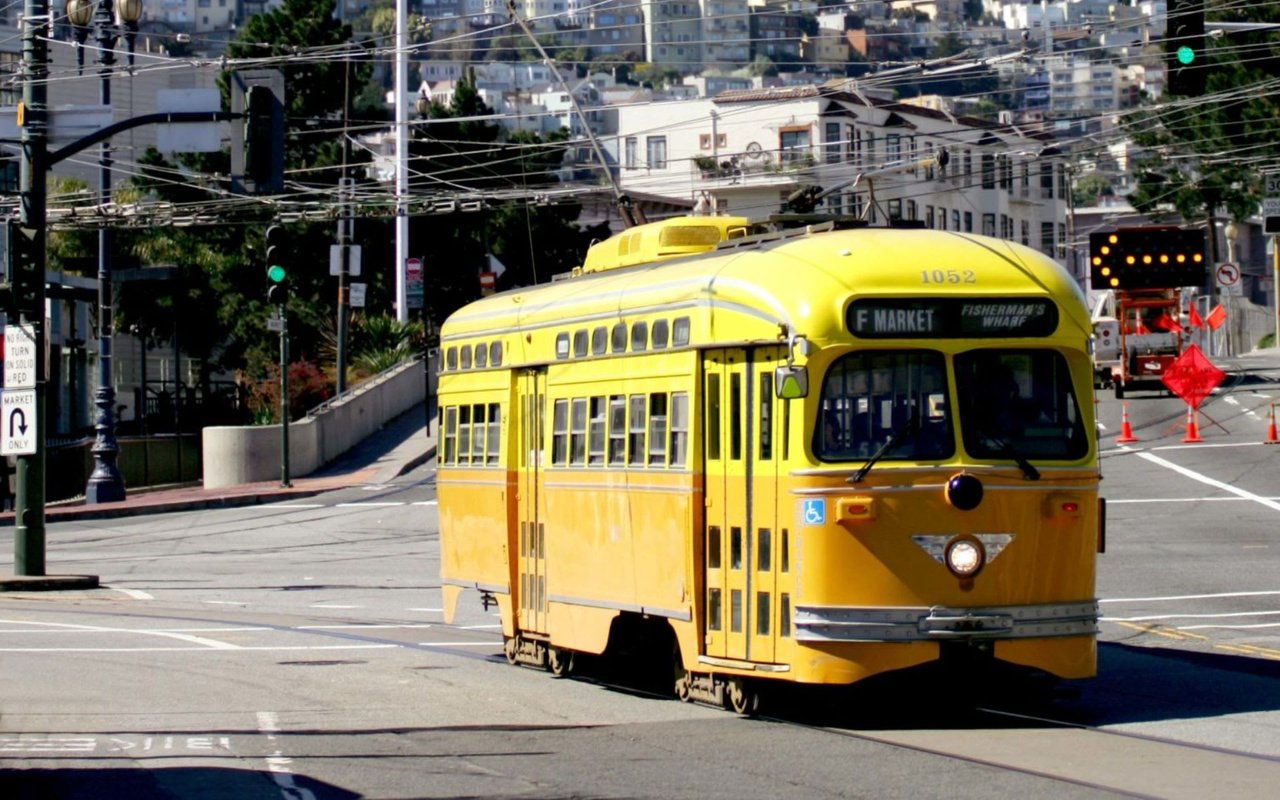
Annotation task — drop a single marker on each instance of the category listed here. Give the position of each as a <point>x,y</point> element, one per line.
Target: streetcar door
<point>734,509</point>
<point>531,603</point>
<point>763,539</point>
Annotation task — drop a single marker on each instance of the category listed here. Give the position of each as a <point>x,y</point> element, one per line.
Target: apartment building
<point>746,152</point>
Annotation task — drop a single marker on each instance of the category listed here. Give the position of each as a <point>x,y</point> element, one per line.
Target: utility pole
<point>29,528</point>
<point>346,187</point>
<point>402,158</point>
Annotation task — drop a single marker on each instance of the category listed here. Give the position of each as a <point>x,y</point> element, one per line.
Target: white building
<point>746,152</point>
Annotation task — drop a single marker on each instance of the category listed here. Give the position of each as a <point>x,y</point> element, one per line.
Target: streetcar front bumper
<point>917,624</point>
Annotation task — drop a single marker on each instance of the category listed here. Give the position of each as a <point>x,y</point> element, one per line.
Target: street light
<point>110,19</point>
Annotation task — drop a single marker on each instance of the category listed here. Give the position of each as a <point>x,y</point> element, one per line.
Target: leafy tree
<point>1089,189</point>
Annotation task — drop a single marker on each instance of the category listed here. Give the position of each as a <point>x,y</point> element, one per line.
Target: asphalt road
<point>296,650</point>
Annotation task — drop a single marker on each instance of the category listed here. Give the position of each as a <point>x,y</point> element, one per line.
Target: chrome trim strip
<point>919,623</point>
<point>455,482</point>
<point>651,488</point>
<point>733,663</point>
<point>980,469</point>
<point>683,616</point>
<point>935,487</point>
<point>495,588</point>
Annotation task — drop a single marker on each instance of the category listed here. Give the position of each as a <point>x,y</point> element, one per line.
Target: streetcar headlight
<point>965,557</point>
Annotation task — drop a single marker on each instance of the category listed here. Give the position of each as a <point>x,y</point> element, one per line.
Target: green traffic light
<point>1186,55</point>
<point>275,273</point>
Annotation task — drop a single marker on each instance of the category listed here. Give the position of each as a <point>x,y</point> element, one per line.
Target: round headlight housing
<point>965,556</point>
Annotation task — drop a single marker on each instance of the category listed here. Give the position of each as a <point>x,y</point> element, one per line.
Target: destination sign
<point>951,317</point>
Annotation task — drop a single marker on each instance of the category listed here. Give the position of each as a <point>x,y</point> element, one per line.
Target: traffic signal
<point>1184,43</point>
<point>24,267</point>
<point>261,127</point>
<point>277,265</point>
<point>1147,258</point>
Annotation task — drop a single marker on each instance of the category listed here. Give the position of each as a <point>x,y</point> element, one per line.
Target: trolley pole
<point>284,396</point>
<point>29,500</point>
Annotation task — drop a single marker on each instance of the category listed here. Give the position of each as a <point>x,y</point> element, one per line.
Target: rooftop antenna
<point>631,214</point>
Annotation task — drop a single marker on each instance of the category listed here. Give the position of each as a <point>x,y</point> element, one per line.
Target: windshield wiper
<point>1005,448</point>
<point>898,437</point>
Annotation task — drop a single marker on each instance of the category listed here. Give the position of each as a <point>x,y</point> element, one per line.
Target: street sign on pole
<point>1227,276</point>
<point>19,357</point>
<point>357,294</point>
<point>18,416</point>
<point>413,282</point>
<point>335,259</point>
<point>1271,215</point>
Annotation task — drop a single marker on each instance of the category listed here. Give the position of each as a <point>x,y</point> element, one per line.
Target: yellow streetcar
<point>810,455</point>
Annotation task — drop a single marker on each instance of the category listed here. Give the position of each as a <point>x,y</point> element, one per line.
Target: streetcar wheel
<point>509,649</point>
<point>560,662</point>
<point>742,696</point>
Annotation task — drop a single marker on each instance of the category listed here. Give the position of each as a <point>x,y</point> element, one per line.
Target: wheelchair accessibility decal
<point>813,511</point>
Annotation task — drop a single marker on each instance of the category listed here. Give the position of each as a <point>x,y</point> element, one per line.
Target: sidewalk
<point>401,445</point>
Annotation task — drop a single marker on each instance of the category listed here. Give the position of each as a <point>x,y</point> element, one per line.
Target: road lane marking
<point>1265,593</point>
<point>460,644</point>
<point>279,765</point>
<point>212,644</point>
<point>437,610</point>
<point>1131,501</point>
<point>362,627</point>
<point>136,594</point>
<point>297,505</point>
<point>425,502</point>
<point>369,504</point>
<point>332,605</point>
<point>1192,616</point>
<point>1205,479</point>
<point>244,649</point>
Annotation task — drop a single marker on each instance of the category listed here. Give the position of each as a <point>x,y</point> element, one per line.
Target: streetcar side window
<point>679,428</point>
<point>450,435</point>
<point>735,417</point>
<point>635,431</point>
<point>599,339</point>
<point>680,332</point>
<point>657,429</point>
<point>562,345</point>
<point>464,434</point>
<point>639,336</point>
<point>477,433</point>
<point>580,343</point>
<point>495,354</point>
<point>560,433</point>
<point>482,353</point>
<point>762,613</point>
<point>618,338</point>
<point>578,432</point>
<point>715,613</point>
<point>764,550</point>
<point>595,443</point>
<point>466,356</point>
<point>661,332</point>
<point>495,426</point>
<point>451,358</point>
<point>617,429</point>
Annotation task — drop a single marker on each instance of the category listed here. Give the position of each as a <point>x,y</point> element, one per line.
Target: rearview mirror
<point>791,382</point>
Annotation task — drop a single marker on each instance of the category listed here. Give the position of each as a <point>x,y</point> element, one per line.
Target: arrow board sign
<point>19,357</point>
<point>18,415</point>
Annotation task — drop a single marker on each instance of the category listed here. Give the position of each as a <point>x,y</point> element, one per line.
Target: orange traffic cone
<point>1271,428</point>
<point>1193,426</point>
<point>1126,432</point>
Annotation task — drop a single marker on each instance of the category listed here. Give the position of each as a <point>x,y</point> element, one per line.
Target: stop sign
<point>1192,376</point>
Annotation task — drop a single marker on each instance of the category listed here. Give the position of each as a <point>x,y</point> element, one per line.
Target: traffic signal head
<point>261,138</point>
<point>277,265</point>
<point>24,267</point>
<point>1184,45</point>
<point>1147,258</point>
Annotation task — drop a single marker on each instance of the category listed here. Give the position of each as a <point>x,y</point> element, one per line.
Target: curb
<point>47,583</point>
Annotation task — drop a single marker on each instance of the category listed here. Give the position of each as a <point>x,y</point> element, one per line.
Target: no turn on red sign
<point>1228,278</point>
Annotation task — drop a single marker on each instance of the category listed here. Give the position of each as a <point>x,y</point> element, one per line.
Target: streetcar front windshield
<point>870,396</point>
<point>1018,402</point>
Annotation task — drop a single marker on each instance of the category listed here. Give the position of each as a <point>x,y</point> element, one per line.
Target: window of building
<point>988,171</point>
<point>988,224</point>
<point>631,158</point>
<point>968,222</point>
<point>1046,237</point>
<point>656,148</point>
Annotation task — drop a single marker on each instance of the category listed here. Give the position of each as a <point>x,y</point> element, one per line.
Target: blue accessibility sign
<point>813,511</point>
